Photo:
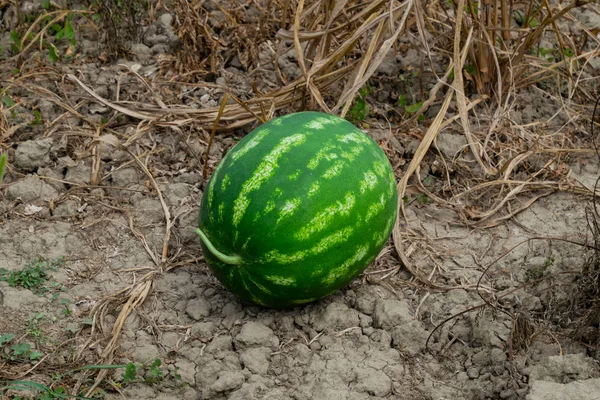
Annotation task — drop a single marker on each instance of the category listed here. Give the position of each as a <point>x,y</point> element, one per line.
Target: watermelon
<point>297,209</point>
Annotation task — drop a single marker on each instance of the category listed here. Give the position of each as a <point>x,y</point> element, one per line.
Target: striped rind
<point>307,200</point>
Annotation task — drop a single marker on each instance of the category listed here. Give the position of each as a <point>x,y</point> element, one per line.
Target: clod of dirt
<point>337,316</point>
<point>80,173</point>
<point>228,380</point>
<point>197,308</point>
<point>256,334</point>
<point>256,359</point>
<point>557,368</point>
<point>176,192</point>
<point>409,337</point>
<point>373,382</point>
<point>15,298</point>
<point>32,154</point>
<point>389,65</point>
<point>31,188</point>
<point>125,177</point>
<point>580,390</point>
<point>140,348</point>
<point>66,209</point>
<point>389,313</point>
<point>142,51</point>
<point>220,345</point>
<point>451,144</point>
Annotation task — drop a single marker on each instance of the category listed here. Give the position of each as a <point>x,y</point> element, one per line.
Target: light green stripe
<point>354,137</point>
<point>392,188</point>
<point>320,123</point>
<point>344,269</point>
<point>245,245</point>
<point>333,239</point>
<point>226,181</point>
<point>245,276</point>
<point>381,237</point>
<point>323,218</point>
<point>265,170</point>
<point>304,301</point>
<point>294,176</point>
<point>221,210</point>
<point>380,168</point>
<point>270,206</point>
<point>257,300</point>
<point>334,170</point>
<point>277,193</point>
<point>210,190</point>
<point>314,188</point>
<point>369,181</point>
<point>281,280</point>
<point>353,153</point>
<point>276,256</point>
<point>288,209</point>
<point>388,227</point>
<point>259,286</point>
<point>324,244</point>
<point>325,153</point>
<point>375,208</point>
<point>259,135</point>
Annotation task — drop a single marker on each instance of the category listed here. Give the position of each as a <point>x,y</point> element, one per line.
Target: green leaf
<point>35,355</point>
<point>69,32</point>
<point>57,28</point>
<point>45,4</point>
<point>401,100</point>
<point>20,348</point>
<point>96,17</point>
<point>9,336</point>
<point>568,52</point>
<point>129,375</point>
<point>52,53</point>
<point>37,117</point>
<point>414,108</point>
<point>47,393</point>
<point>3,158</point>
<point>8,102</point>
<point>14,36</point>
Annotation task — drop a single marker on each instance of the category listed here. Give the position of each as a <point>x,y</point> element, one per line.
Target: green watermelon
<point>297,209</point>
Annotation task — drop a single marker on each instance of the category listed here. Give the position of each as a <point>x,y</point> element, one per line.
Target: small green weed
<point>53,390</point>
<point>423,199</point>
<point>15,41</point>
<point>37,118</point>
<point>3,159</point>
<point>155,374</point>
<point>361,109</point>
<point>17,352</point>
<point>66,311</point>
<point>523,21</point>
<point>33,276</point>
<point>538,272</point>
<point>130,373</point>
<point>409,108</point>
<point>33,327</point>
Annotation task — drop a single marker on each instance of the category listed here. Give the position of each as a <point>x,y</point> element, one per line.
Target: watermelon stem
<point>233,260</point>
